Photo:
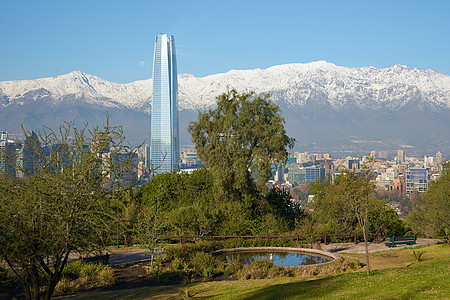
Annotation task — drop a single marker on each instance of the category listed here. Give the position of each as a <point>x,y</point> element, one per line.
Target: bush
<point>79,273</point>
<point>187,251</point>
<point>208,273</point>
<point>4,274</point>
<point>106,276</point>
<point>177,264</point>
<point>418,254</point>
<point>163,277</point>
<point>205,260</point>
<point>89,272</point>
<point>73,269</point>
<point>258,269</point>
<point>66,286</point>
<point>339,266</point>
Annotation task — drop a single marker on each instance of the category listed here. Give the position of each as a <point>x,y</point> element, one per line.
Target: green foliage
<point>4,274</point>
<point>205,260</point>
<point>431,212</point>
<point>418,254</point>
<point>243,133</point>
<point>79,273</point>
<point>177,264</point>
<point>186,252</point>
<point>335,214</point>
<point>163,277</point>
<point>61,206</point>
<point>282,210</point>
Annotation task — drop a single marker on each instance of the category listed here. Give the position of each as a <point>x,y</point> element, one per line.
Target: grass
<point>396,275</point>
<point>401,257</point>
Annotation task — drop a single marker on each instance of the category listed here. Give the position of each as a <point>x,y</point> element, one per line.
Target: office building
<point>313,173</point>
<point>164,133</point>
<point>401,156</point>
<point>439,157</point>
<point>417,180</point>
<point>353,164</point>
<point>304,175</point>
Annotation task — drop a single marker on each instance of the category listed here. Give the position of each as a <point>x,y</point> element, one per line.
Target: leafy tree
<point>431,212</point>
<point>238,140</point>
<point>280,205</point>
<point>350,203</point>
<point>60,207</point>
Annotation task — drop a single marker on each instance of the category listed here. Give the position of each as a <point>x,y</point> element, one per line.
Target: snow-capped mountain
<point>307,93</point>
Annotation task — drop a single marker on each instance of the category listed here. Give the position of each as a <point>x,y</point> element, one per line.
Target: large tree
<point>238,140</point>
<point>61,206</point>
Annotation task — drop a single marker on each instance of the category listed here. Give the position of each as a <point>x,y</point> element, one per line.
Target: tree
<point>356,188</point>
<point>431,212</point>
<point>350,203</point>
<point>238,140</point>
<point>61,206</point>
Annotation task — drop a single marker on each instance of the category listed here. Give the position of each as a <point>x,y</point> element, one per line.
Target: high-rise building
<point>401,156</point>
<point>164,133</point>
<point>439,157</point>
<point>417,179</point>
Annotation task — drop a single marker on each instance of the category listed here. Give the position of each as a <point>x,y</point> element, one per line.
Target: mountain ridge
<point>316,99</point>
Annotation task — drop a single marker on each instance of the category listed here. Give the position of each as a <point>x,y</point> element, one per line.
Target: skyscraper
<point>401,156</point>
<point>164,135</point>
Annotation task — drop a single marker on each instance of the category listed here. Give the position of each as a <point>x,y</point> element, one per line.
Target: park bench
<point>396,240</point>
<point>104,259</point>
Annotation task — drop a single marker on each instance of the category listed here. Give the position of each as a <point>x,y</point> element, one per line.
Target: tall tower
<point>401,156</point>
<point>164,133</point>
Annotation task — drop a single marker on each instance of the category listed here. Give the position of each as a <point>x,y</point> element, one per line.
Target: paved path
<point>373,247</point>
<point>127,256</point>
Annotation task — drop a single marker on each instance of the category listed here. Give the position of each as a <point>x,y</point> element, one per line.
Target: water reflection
<point>284,259</point>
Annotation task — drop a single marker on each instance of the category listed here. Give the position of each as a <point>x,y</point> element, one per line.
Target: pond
<point>284,259</point>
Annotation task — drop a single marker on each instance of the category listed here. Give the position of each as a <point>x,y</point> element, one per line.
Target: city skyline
<point>164,135</point>
<point>57,37</point>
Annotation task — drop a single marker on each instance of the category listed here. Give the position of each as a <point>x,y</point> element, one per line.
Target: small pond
<point>284,259</point>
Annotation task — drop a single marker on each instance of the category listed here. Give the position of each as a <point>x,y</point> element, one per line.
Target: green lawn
<point>411,280</point>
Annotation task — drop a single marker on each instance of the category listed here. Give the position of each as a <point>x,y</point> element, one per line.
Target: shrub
<point>338,266</point>
<point>163,277</point>
<point>4,274</point>
<point>205,260</point>
<point>89,272</point>
<point>258,269</point>
<point>66,286</point>
<point>106,276</point>
<point>159,259</point>
<point>80,273</point>
<point>208,273</point>
<point>187,251</point>
<point>177,264</point>
<point>73,269</point>
<point>418,254</point>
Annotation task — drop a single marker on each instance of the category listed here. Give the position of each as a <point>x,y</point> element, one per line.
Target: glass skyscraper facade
<point>164,133</point>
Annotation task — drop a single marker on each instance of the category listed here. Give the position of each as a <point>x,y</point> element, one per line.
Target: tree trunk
<point>35,281</point>
<point>365,235</point>
<point>50,288</point>
<point>366,246</point>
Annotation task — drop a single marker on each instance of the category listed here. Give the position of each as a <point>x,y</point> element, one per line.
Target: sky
<point>114,40</point>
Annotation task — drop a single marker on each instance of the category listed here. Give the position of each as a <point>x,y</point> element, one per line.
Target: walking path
<point>374,247</point>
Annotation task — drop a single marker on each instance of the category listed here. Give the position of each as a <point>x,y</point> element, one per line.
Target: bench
<point>396,240</point>
<point>104,259</point>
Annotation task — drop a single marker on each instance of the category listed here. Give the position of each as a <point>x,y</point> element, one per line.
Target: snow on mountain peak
<point>295,84</point>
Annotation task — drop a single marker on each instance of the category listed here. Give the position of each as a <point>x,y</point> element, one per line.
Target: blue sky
<point>114,39</point>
